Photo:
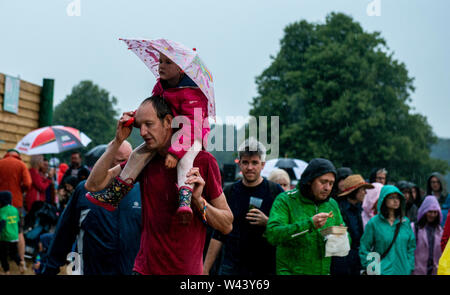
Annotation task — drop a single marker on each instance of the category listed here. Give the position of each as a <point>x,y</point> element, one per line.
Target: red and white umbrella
<point>52,140</point>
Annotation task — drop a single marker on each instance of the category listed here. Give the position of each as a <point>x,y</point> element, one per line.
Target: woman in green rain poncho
<point>380,231</point>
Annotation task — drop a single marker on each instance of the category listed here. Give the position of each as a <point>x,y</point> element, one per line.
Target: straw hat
<point>353,182</point>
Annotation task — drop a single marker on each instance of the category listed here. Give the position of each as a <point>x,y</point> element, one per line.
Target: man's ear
<point>168,121</point>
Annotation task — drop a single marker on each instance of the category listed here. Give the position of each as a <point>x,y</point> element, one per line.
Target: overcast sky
<point>39,39</point>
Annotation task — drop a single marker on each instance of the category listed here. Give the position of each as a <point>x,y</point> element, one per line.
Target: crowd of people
<point>406,226</point>
<point>31,201</point>
<point>162,209</point>
<point>261,226</point>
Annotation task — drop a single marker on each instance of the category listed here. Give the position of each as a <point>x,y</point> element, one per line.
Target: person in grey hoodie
<point>437,186</point>
<point>411,208</point>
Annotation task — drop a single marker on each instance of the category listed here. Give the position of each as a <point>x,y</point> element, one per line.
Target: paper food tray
<point>334,230</point>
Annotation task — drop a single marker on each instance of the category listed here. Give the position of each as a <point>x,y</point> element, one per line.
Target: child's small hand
<point>171,161</point>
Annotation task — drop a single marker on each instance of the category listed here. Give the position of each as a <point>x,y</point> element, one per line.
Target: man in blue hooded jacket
<point>107,242</point>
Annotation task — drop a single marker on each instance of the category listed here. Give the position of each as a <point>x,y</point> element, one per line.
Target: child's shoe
<point>111,198</point>
<point>184,211</point>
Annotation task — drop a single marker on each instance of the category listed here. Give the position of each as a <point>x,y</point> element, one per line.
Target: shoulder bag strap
<point>397,229</point>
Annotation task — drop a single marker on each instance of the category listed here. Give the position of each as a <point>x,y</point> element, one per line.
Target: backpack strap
<point>228,189</point>
<point>273,189</point>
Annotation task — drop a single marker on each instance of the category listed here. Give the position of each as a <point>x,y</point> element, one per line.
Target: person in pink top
<point>187,100</point>
<point>39,182</point>
<point>369,204</point>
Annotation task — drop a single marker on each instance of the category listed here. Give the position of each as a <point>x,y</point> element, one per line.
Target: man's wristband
<point>203,212</point>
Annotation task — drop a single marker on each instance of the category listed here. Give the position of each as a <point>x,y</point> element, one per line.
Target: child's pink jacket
<point>184,99</point>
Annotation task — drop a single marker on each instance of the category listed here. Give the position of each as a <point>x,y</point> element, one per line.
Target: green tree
<point>341,95</point>
<point>135,138</point>
<point>90,109</point>
<point>441,150</point>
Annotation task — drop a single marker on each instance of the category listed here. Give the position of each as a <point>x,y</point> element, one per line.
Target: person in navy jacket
<point>107,242</point>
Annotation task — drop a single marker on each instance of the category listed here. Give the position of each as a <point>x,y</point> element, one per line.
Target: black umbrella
<point>94,154</point>
<point>288,165</point>
<point>294,167</point>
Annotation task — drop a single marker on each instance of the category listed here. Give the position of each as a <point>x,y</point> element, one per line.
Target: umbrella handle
<point>129,122</point>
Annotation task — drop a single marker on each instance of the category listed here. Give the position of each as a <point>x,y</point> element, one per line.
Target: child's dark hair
<point>5,198</point>
<point>83,174</point>
<point>161,106</point>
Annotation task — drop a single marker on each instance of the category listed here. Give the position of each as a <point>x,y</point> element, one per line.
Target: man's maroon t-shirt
<point>167,247</point>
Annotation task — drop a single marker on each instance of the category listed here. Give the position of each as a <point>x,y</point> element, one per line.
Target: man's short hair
<point>382,170</point>
<point>251,147</point>
<point>35,160</point>
<point>76,152</point>
<point>13,151</point>
<point>161,106</point>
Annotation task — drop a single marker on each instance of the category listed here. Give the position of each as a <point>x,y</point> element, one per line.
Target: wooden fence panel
<point>13,127</point>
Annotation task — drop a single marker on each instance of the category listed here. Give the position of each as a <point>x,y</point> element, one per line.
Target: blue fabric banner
<point>11,96</point>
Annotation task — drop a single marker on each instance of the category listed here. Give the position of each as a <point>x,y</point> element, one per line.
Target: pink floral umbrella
<point>187,59</point>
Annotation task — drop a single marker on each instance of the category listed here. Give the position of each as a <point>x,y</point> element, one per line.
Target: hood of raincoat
<point>406,185</point>
<point>372,196</point>
<point>403,184</point>
<point>387,190</point>
<point>343,173</point>
<point>430,203</point>
<point>63,167</point>
<point>316,167</point>
<point>443,185</point>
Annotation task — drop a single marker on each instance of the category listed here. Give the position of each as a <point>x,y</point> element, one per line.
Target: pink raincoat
<point>421,253</point>
<point>37,190</point>
<point>184,100</point>
<point>369,202</point>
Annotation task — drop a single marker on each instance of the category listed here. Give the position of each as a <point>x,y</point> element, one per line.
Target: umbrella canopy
<point>187,59</point>
<point>52,140</point>
<point>94,154</point>
<point>294,167</point>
